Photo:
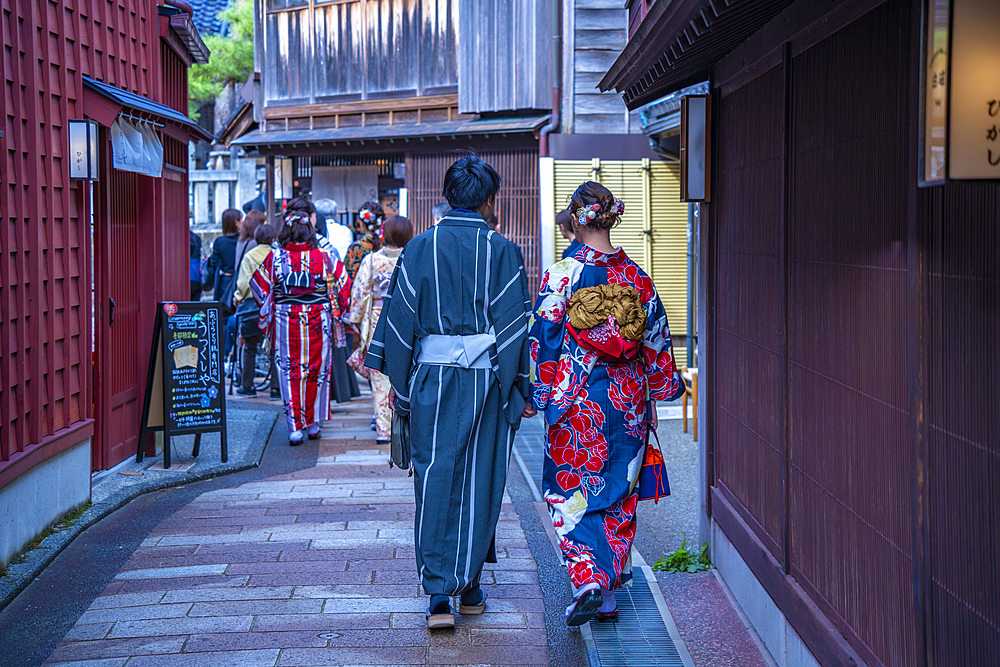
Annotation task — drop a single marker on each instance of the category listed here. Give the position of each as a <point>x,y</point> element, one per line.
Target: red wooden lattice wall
<point>45,276</point>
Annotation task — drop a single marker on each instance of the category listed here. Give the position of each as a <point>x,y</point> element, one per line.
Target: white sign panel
<point>974,111</point>
<point>136,147</point>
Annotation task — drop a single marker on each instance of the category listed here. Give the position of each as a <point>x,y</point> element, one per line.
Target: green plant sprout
<point>684,560</point>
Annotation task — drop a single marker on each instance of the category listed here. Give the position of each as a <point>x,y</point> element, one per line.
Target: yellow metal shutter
<point>653,230</point>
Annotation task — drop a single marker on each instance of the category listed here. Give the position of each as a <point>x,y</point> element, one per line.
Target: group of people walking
<point>289,286</point>
<point>450,340</point>
<point>468,357</point>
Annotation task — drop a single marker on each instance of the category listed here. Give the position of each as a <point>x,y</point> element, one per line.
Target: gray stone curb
<point>22,573</point>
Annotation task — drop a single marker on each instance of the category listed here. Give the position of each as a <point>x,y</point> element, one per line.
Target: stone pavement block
<point>386,565</point>
<point>348,656</point>
<point>180,626</point>
<point>113,587</point>
<point>228,558</point>
<point>126,600</point>
<point>261,658</point>
<point>399,576</point>
<point>260,520</point>
<point>372,605</point>
<point>238,538</point>
<point>256,607</point>
<point>398,637</point>
<point>503,576</point>
<point>85,632</point>
<point>147,612</point>
<point>377,552</point>
<point>516,552</point>
<point>536,620</point>
<point>385,499</point>
<point>164,552</point>
<point>496,603</point>
<point>288,566</point>
<point>348,541</point>
<point>190,571</point>
<point>268,504</point>
<point>237,641</point>
<point>360,591</point>
<point>322,532</point>
<point>274,547</point>
<point>91,650</point>
<point>210,509</point>
<point>481,637</point>
<point>232,495</point>
<point>402,535</point>
<point>373,525</point>
<point>511,564</point>
<point>489,620</point>
<point>145,585</point>
<point>188,528</point>
<point>322,622</point>
<point>225,594</point>
<point>507,591</point>
<point>106,662</point>
<point>488,655</point>
<point>295,578</point>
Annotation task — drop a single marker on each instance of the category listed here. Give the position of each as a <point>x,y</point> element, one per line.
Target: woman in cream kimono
<point>370,287</point>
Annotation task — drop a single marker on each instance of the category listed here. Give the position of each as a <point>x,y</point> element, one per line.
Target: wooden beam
<point>401,104</point>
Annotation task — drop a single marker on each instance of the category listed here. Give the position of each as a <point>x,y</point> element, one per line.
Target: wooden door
<point>119,363</point>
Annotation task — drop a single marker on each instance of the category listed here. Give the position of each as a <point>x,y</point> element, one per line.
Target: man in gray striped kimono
<point>452,340</point>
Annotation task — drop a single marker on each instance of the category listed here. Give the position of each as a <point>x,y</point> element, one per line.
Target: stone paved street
<point>313,567</point>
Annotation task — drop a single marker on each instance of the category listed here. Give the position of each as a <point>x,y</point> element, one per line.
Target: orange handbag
<point>653,483</point>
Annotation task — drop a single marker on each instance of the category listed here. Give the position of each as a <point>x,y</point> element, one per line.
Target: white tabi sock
<point>608,603</point>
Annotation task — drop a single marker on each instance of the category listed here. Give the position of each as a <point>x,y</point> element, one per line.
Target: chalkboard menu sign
<point>184,386</point>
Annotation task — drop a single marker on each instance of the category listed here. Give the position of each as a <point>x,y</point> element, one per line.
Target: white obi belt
<point>459,351</point>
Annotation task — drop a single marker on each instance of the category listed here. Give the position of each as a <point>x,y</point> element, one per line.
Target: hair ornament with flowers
<point>297,216</point>
<point>370,219</point>
<point>587,214</point>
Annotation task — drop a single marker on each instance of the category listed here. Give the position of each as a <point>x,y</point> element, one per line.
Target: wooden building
<point>849,348</point>
<point>371,100</point>
<point>78,292</point>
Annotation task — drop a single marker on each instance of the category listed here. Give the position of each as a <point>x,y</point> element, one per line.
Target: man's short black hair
<point>470,182</point>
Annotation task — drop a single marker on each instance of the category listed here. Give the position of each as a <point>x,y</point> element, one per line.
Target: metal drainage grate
<point>639,638</point>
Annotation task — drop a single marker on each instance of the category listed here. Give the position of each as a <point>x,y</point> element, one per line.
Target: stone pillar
<point>201,203</point>
<point>222,199</point>
<point>246,179</point>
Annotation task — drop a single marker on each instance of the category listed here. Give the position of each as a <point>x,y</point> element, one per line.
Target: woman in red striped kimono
<point>303,292</point>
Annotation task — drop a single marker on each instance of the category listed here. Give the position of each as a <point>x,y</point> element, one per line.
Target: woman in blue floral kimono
<point>599,343</point>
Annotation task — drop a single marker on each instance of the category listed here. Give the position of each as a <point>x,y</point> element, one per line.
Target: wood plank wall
<point>505,56</point>
<point>594,33</point>
<point>360,50</point>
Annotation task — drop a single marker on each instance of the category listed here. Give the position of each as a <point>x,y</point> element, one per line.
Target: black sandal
<point>607,616</point>
<point>584,607</point>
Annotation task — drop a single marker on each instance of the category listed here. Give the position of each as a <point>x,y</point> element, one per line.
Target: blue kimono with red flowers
<point>594,409</point>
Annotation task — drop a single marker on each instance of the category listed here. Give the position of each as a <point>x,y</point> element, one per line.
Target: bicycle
<point>261,370</point>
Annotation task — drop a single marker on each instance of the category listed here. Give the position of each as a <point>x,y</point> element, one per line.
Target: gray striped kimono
<point>452,339</point>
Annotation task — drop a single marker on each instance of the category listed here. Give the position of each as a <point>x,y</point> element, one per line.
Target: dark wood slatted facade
<point>961,224</point>
<point>852,360</point>
<point>517,203</point>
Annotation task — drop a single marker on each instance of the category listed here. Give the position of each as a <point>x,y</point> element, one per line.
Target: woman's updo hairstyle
<point>370,217</point>
<point>593,206</point>
<point>298,227</point>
